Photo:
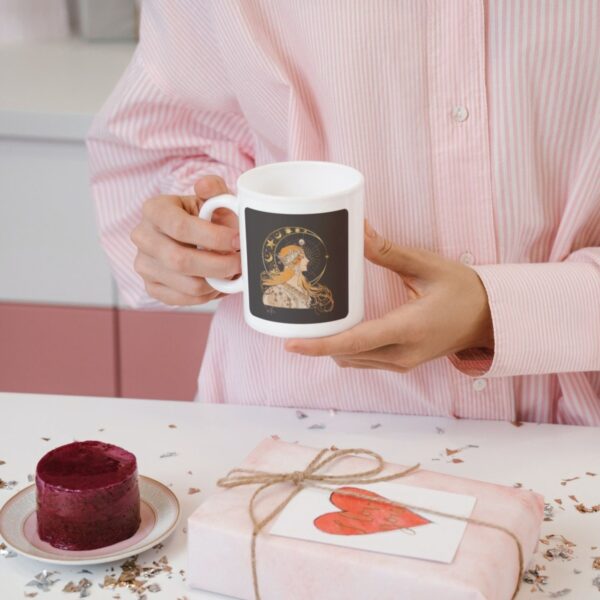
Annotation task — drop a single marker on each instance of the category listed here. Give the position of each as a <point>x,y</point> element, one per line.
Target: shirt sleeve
<point>546,318</point>
<point>171,119</point>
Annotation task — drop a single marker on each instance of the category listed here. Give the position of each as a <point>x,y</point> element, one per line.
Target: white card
<point>318,515</point>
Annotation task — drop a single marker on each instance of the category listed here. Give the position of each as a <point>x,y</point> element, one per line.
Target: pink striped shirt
<point>477,126</point>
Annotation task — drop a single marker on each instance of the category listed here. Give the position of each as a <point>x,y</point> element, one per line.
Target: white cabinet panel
<point>49,248</point>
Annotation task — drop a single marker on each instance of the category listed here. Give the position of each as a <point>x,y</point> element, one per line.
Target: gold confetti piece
<point>2,462</point>
<point>31,594</point>
<point>518,485</point>
<point>193,490</point>
<point>450,452</point>
<point>7,485</point>
<point>587,473</point>
<point>190,473</point>
<point>517,423</point>
<point>596,562</point>
<point>46,439</point>
<point>558,500</point>
<point>457,460</point>
<point>168,454</point>
<point>582,508</point>
<point>172,426</point>
<point>573,497</point>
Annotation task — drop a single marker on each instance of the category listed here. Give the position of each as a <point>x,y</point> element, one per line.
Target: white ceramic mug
<point>301,239</point>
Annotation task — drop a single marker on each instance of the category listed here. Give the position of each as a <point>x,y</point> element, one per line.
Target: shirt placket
<point>460,151</point>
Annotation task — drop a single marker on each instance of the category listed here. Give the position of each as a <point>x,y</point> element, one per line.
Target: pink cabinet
<point>100,351</point>
<point>57,350</point>
<point>160,353</point>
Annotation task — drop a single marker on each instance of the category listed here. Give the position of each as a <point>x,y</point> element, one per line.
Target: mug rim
<point>357,184</point>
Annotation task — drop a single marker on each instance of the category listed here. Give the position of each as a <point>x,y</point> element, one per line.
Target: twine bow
<point>311,477</point>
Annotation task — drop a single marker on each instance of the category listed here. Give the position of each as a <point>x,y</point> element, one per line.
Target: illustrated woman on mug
<point>482,270</point>
<point>289,288</point>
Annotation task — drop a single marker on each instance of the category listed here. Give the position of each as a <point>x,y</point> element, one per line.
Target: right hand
<point>172,268</point>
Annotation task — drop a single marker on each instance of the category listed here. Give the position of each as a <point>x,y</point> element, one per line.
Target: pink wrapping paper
<point>485,567</point>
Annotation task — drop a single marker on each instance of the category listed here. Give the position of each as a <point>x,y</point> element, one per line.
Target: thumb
<point>401,259</point>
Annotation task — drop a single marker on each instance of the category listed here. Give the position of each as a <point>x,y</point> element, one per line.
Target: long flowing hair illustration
<point>295,259</point>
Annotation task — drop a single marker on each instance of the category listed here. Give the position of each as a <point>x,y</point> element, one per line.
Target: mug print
<point>297,265</point>
<point>295,259</point>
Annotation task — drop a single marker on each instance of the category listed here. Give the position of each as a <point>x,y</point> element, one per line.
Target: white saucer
<point>159,511</point>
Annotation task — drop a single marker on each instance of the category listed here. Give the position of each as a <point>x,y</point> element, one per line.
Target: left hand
<point>448,311</point>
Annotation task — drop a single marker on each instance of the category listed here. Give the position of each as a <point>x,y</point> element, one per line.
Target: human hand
<point>447,312</point>
<point>172,267</point>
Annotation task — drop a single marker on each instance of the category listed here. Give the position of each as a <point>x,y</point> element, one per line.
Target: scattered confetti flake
<point>596,582</point>
<point>560,593</point>
<point>517,423</point>
<point>317,426</point>
<point>172,426</point>
<point>85,571</point>
<point>30,594</point>
<point>562,549</point>
<point>193,490</point>
<point>536,578</point>
<point>565,481</point>
<point>135,575</point>
<point>440,430</point>
<point>30,478</point>
<point>83,587</point>
<point>2,462</point>
<point>301,415</point>
<point>548,512</point>
<point>184,530</point>
<point>7,485</point>
<point>457,460</point>
<point>558,500</point>
<point>6,551</point>
<point>587,472</point>
<point>582,508</point>
<point>158,547</point>
<point>101,429</point>
<point>577,571</point>
<point>168,454</point>
<point>450,452</point>
<point>42,581</point>
<point>517,485</point>
<point>190,473</point>
<point>596,562</point>
<point>376,426</point>
<point>573,497</point>
<point>46,439</point>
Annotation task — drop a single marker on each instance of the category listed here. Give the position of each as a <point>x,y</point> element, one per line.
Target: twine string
<point>311,477</point>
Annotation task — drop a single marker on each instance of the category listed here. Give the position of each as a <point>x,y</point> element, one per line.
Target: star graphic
<point>270,243</point>
<point>288,230</point>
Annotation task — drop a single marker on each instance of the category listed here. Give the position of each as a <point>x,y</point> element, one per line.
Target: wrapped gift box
<point>486,564</point>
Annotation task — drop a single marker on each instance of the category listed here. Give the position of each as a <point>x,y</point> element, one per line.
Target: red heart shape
<point>360,516</point>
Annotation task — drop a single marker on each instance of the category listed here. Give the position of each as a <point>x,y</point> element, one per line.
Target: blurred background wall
<point>63,328</point>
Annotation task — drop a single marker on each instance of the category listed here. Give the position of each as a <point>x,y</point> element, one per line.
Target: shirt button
<point>460,113</point>
<point>466,258</point>
<point>479,385</point>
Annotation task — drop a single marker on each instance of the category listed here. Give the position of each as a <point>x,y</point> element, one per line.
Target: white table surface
<point>211,439</point>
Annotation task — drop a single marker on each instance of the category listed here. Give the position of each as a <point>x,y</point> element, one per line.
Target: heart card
<point>361,517</point>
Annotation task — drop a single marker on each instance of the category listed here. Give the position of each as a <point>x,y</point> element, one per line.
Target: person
<point>476,126</point>
<point>289,288</point>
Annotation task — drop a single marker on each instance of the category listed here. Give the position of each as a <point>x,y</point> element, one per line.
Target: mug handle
<point>229,201</point>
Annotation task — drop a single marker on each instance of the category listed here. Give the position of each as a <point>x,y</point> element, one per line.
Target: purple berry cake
<point>87,496</point>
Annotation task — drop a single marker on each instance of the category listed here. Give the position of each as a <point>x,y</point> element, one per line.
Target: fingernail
<point>369,231</point>
<point>236,242</point>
